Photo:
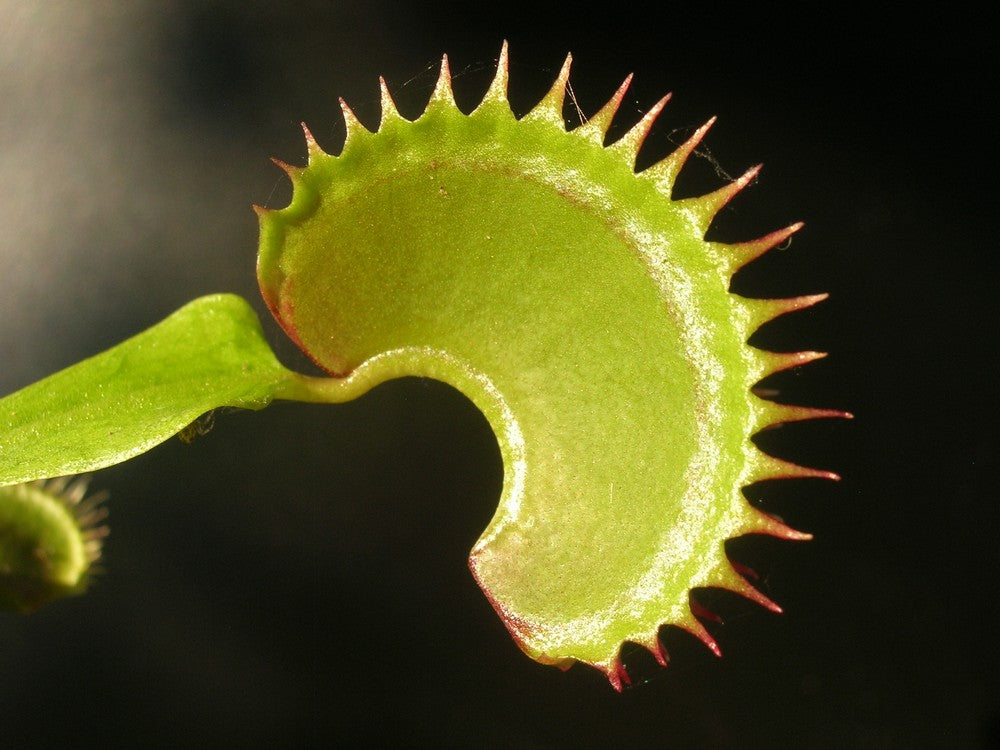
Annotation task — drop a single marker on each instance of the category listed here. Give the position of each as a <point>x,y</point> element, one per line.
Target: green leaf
<point>126,400</point>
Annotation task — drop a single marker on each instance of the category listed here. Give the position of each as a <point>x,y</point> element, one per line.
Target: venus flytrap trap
<point>573,300</point>
<point>49,538</point>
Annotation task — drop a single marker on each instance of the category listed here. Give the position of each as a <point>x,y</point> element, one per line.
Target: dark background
<point>298,575</point>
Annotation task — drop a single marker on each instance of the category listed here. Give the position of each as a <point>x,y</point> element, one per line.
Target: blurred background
<point>298,576</point>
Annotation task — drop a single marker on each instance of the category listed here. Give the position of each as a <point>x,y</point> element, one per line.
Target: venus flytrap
<point>573,300</point>
<point>49,538</point>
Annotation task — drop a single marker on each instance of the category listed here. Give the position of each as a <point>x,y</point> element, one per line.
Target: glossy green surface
<point>124,401</point>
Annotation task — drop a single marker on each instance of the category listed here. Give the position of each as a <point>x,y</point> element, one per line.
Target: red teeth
<point>442,90</point>
<point>630,143</point>
<point>700,611</point>
<point>770,467</point>
<point>617,675</point>
<point>550,108</point>
<point>779,361</point>
<point>290,170</point>
<point>665,171</point>
<point>695,628</point>
<point>744,252</point>
<point>596,128</point>
<point>312,147</point>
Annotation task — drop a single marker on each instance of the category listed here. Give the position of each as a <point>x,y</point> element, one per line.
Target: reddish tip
<point>682,152</point>
<point>778,361</point>
<point>623,673</point>
<point>757,597</point>
<point>808,412</point>
<point>660,653</point>
<point>776,468</point>
<point>616,675</point>
<point>709,205</point>
<point>700,610</point>
<point>632,141</point>
<point>346,110</point>
<point>616,99</point>
<point>745,570</point>
<point>748,251</point>
<point>782,414</point>
<point>802,302</point>
<point>695,628</point>
<point>285,167</point>
<point>747,177</point>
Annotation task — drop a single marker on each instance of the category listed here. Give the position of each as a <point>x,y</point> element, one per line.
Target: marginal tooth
<point>93,517</point>
<point>292,171</point>
<point>772,362</point>
<point>744,570</point>
<point>763,523</point>
<point>596,128</point>
<point>660,653</point>
<point>746,590</point>
<point>442,95</point>
<point>74,490</point>
<point>90,503</point>
<point>765,310</point>
<point>55,486</point>
<point>702,612</point>
<point>350,119</point>
<point>616,674</point>
<point>652,644</point>
<point>704,208</point>
<point>389,111</point>
<point>351,123</point>
<point>665,171</point>
<point>550,108</point>
<point>630,143</point>
<point>101,532</point>
<point>731,579</point>
<point>768,467</point>
<point>623,673</point>
<point>497,92</point>
<point>770,414</point>
<point>312,148</point>
<point>743,253</point>
<point>695,628</point>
